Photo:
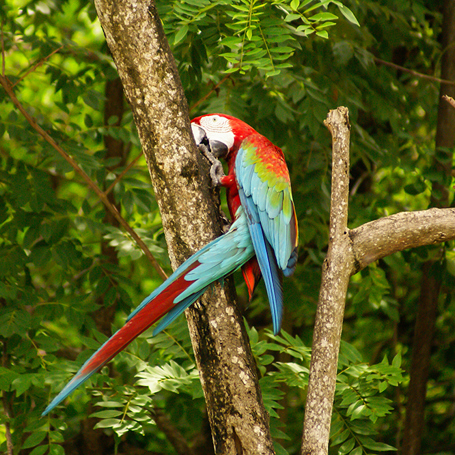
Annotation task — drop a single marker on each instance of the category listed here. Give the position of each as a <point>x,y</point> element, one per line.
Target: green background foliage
<point>70,275</point>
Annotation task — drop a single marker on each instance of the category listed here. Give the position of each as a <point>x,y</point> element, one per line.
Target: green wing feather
<point>262,173</point>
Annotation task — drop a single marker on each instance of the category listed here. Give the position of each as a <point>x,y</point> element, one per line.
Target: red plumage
<point>160,305</point>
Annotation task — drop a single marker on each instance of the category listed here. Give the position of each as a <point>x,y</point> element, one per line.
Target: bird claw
<point>217,173</point>
<point>216,170</point>
<point>226,224</point>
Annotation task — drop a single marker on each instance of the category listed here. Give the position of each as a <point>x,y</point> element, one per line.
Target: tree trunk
<point>420,362</point>
<point>431,284</point>
<point>152,86</point>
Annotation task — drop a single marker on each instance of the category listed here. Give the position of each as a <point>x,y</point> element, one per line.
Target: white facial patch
<point>218,128</point>
<point>198,133</point>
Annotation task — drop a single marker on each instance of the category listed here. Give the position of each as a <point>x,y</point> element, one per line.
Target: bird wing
<point>265,193</point>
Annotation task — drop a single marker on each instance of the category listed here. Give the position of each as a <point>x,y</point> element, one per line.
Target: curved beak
<point>216,148</point>
<point>198,134</point>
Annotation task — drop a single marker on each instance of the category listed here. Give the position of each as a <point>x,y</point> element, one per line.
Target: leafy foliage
<point>257,35</point>
<point>69,274</point>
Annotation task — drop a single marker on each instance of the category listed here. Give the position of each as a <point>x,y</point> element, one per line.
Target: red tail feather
<point>251,274</point>
<point>151,312</point>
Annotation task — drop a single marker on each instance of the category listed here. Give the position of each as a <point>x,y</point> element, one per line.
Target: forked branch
<point>350,251</point>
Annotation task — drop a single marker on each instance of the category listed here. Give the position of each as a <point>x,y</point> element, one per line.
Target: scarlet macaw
<point>262,238</point>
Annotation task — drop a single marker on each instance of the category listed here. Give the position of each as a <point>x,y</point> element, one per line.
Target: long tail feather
<point>148,315</point>
<point>272,277</point>
<point>215,261</point>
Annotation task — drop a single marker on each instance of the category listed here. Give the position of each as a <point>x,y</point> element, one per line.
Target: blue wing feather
<point>265,195</point>
<point>267,263</point>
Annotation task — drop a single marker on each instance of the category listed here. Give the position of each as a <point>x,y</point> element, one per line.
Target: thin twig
<point>6,407</point>
<point>6,85</point>
<point>358,183</point>
<point>120,176</point>
<point>3,50</point>
<point>414,73</point>
<point>449,99</point>
<point>38,63</point>
<point>214,89</point>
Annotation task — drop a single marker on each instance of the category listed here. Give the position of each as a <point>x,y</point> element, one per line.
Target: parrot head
<point>220,133</point>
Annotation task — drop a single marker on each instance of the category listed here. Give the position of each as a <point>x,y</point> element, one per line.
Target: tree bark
<point>420,361</point>
<point>336,272</point>
<point>152,86</point>
<point>385,236</point>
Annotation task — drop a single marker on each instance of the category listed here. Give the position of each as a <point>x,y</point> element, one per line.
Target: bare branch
<point>38,63</point>
<point>380,238</point>
<point>414,73</point>
<point>7,86</point>
<point>449,99</point>
<point>335,279</point>
<point>214,89</point>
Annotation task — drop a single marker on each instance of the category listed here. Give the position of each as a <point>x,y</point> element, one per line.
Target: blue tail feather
<point>177,311</point>
<point>176,294</point>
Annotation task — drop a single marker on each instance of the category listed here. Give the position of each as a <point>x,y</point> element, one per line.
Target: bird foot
<point>217,173</point>
<point>226,224</point>
<point>216,170</point>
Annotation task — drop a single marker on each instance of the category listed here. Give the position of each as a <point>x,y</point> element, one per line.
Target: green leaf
<point>14,321</point>
<point>357,451</point>
<point>7,376</point>
<point>88,121</point>
<point>295,4</point>
<point>323,34</point>
<point>110,404</point>
<point>350,352</point>
<point>376,446</point>
<point>40,450</point>
<point>93,99</point>
<point>323,17</point>
<point>396,362</point>
<point>34,439</point>
<point>292,17</point>
<point>56,449</point>
<point>340,438</point>
<point>348,14</point>
<point>347,446</point>
<point>112,120</point>
<point>22,383</point>
<point>181,34</point>
<point>107,423</point>
<point>107,414</point>
<point>273,73</point>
